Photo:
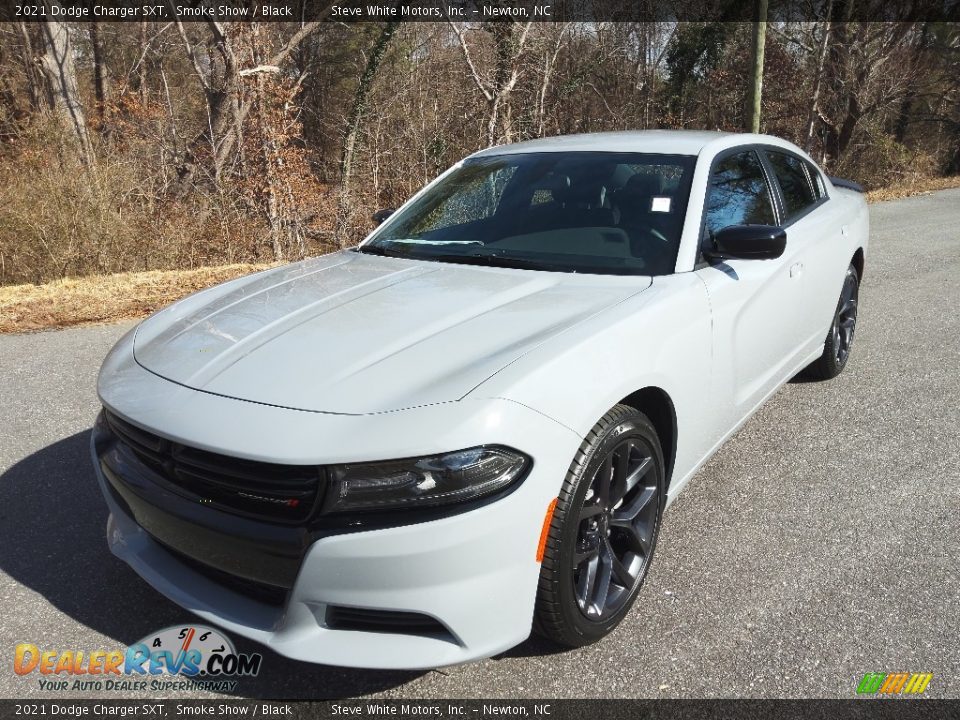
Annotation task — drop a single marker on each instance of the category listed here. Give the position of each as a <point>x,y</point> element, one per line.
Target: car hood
<point>352,333</point>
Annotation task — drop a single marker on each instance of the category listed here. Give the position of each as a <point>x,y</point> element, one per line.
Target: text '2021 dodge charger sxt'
<point>414,452</point>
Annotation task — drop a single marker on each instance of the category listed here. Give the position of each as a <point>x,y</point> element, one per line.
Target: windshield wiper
<point>495,261</point>
<point>377,250</point>
<point>503,261</point>
<point>420,241</point>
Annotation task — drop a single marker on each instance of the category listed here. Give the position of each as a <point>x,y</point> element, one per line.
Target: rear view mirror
<point>380,215</point>
<point>747,242</point>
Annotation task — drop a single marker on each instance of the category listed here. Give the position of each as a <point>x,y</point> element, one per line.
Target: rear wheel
<point>839,342</point>
<point>604,530</point>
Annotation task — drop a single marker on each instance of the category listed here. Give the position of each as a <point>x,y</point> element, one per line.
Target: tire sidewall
<point>835,366</point>
<point>634,426</point>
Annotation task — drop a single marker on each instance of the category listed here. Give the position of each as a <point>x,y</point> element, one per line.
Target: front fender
<point>659,338</point>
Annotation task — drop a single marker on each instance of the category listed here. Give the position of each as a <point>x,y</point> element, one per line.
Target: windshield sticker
<point>660,204</point>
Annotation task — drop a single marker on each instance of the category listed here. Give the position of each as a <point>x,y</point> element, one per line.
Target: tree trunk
<point>357,111</point>
<point>903,117</point>
<point>838,48</point>
<point>142,67</point>
<point>502,42</point>
<point>817,79</point>
<point>845,135</point>
<point>63,97</point>
<point>34,79</point>
<point>953,166</point>
<point>220,83</point>
<point>272,210</point>
<point>906,106</point>
<point>226,112</point>
<point>101,80</point>
<point>508,46</point>
<point>549,62</point>
<point>756,72</point>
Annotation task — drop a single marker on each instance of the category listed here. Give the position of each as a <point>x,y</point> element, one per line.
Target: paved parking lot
<point>820,543</point>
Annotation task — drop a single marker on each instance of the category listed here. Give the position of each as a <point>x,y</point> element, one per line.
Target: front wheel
<point>839,342</point>
<point>604,530</point>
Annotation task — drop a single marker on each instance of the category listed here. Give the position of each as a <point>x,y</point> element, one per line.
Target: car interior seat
<point>585,205</point>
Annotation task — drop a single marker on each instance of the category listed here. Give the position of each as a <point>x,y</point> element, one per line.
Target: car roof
<point>666,142</point>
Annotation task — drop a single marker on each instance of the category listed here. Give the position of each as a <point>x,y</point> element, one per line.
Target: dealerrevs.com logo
<point>198,657</point>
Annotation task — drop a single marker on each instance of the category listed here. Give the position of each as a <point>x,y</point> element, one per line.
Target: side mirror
<point>380,215</point>
<point>747,242</point>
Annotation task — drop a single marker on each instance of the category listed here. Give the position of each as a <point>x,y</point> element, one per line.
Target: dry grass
<point>104,298</point>
<point>919,187</point>
<point>121,296</point>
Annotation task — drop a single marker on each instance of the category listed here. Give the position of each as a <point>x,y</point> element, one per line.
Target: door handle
<point>796,270</point>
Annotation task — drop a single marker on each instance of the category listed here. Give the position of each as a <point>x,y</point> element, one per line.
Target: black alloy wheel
<point>845,322</point>
<point>604,530</point>
<point>839,342</point>
<point>616,525</point>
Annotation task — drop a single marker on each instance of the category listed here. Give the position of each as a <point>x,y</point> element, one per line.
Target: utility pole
<point>756,73</point>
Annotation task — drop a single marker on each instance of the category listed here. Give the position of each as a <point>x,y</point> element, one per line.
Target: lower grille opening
<point>384,621</point>
<point>260,592</point>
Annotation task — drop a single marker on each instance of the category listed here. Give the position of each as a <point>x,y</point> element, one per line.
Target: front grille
<point>385,621</point>
<point>278,493</point>
<point>261,592</point>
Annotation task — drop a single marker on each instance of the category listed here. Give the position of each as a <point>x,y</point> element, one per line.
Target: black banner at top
<point>472,10</point>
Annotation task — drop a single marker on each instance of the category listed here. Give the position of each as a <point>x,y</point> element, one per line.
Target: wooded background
<point>129,146</point>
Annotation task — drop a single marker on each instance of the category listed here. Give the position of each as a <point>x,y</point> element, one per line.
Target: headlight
<point>438,480</point>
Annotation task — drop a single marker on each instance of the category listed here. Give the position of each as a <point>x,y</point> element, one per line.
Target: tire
<point>593,538</point>
<point>839,342</point>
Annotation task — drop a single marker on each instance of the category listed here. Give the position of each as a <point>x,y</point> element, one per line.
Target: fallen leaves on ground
<point>105,298</point>
<point>920,187</point>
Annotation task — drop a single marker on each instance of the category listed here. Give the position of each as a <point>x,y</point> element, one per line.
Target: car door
<point>815,232</point>
<point>755,303</point>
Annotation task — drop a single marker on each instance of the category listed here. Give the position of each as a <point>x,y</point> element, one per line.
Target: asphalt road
<point>822,542</point>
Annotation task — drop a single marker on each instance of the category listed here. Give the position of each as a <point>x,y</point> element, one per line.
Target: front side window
<point>739,193</point>
<point>590,212</point>
<point>795,186</point>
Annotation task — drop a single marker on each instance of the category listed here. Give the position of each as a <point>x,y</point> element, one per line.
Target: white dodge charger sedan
<point>414,452</point>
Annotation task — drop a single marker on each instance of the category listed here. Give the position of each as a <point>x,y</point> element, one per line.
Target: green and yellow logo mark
<point>894,683</point>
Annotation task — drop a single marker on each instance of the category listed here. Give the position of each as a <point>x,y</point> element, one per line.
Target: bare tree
<point>818,78</point>
<point>756,69</point>
<point>31,68</point>
<point>509,39</point>
<point>551,51</point>
<point>653,40</point>
<point>101,79</point>
<point>357,110</point>
<point>220,78</point>
<point>63,96</point>
<point>866,72</point>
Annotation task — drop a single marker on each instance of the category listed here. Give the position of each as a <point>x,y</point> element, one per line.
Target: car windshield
<point>588,212</point>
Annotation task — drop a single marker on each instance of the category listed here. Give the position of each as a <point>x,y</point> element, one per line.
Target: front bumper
<point>475,573</point>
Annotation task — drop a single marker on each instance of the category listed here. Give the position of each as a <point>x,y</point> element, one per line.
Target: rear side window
<point>795,185</point>
<point>739,193</point>
<point>818,189</point>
